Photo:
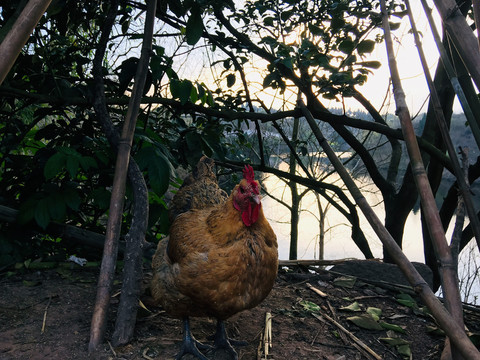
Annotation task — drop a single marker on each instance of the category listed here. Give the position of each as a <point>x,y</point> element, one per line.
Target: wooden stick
<point>267,339</point>
<point>45,315</point>
<point>259,347</point>
<point>312,262</point>
<point>352,336</point>
<point>317,291</point>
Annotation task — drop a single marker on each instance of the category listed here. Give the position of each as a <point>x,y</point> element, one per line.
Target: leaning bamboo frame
<point>462,184</point>
<point>452,328</point>
<point>454,331</point>
<point>443,253</point>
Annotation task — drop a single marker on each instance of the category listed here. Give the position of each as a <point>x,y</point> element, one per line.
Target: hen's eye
<point>242,190</point>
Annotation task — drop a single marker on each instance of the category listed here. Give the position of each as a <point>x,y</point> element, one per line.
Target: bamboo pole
<point>132,272</point>
<point>107,270</point>
<point>110,249</point>
<point>449,69</point>
<point>442,251</point>
<point>442,125</point>
<point>17,37</point>
<point>462,35</point>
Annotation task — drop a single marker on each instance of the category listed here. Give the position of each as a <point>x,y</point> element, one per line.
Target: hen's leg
<point>222,341</point>
<point>190,345</point>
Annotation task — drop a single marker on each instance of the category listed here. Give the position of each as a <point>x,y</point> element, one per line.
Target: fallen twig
<point>351,335</point>
<point>265,338</point>
<point>268,333</point>
<point>45,315</point>
<point>260,346</point>
<point>112,349</point>
<point>317,291</point>
<point>312,262</point>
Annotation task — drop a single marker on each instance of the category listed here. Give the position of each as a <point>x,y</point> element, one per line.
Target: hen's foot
<point>223,342</point>
<point>190,345</point>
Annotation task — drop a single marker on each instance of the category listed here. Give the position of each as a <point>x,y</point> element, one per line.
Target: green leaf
<point>87,162</point>
<point>57,207</point>
<point>159,175</point>
<point>158,168</point>
<point>371,64</point>
<point>125,26</point>
<point>366,46</point>
<point>176,7</point>
<point>375,312</point>
<point>194,27</point>
<point>101,198</point>
<point>42,213</point>
<point>435,330</point>
<point>394,26</point>
<point>54,165</point>
<point>315,30</point>
<point>193,94</point>
<point>345,281</point>
<point>231,80</point>
<point>32,283</point>
<point>394,341</point>
<point>181,90</point>
<point>407,300</point>
<point>310,306</point>
<point>268,21</point>
<point>202,94</point>
<point>355,306</point>
<point>158,215</point>
<point>346,46</point>
<point>71,198</point>
<point>393,327</point>
<point>405,350</point>
<point>72,166</point>
<point>365,321</point>
<point>288,62</point>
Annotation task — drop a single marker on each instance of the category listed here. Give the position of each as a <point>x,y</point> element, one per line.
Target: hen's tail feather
<point>199,190</point>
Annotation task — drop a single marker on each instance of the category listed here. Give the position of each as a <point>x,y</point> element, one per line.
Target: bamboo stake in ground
<point>118,190</point>
<point>268,334</point>
<point>442,251</point>
<point>44,323</point>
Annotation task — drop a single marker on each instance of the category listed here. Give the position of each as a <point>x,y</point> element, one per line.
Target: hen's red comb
<point>248,173</point>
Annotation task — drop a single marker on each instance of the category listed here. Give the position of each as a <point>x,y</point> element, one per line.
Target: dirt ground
<point>46,315</point>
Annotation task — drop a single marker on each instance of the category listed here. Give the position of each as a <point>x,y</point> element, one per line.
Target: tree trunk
<point>295,208</point>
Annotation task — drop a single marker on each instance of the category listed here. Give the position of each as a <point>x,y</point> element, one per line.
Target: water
<point>338,242</point>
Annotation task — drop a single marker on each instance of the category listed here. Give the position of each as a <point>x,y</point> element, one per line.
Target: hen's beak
<point>255,198</point>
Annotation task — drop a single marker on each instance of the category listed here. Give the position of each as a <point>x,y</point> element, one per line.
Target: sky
<point>409,65</point>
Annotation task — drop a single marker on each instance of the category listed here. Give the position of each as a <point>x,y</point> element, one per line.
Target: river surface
<point>338,242</point>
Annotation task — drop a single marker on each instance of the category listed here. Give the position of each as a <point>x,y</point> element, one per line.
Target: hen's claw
<point>190,345</point>
<point>223,342</point>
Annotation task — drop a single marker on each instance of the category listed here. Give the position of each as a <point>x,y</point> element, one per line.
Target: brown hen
<point>217,261</point>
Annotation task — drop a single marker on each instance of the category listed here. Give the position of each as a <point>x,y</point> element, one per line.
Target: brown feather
<point>199,190</point>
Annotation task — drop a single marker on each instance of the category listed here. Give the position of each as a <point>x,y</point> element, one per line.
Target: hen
<point>219,259</point>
